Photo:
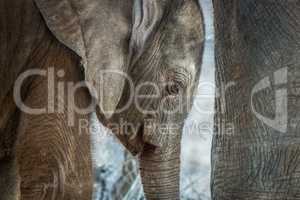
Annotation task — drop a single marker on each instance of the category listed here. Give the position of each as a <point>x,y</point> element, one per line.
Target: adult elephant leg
<point>256,151</point>
<point>53,150</point>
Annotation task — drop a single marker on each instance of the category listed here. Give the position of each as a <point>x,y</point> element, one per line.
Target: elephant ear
<point>98,31</point>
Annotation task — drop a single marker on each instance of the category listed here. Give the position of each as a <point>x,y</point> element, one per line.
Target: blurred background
<point>116,173</point>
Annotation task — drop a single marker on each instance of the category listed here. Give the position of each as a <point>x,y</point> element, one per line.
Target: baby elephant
<point>136,63</point>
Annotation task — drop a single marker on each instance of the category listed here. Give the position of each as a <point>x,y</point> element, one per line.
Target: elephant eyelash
<point>173,88</point>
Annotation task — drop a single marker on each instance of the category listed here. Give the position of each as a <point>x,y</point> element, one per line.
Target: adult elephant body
<point>41,157</point>
<point>100,42</point>
<point>256,145</point>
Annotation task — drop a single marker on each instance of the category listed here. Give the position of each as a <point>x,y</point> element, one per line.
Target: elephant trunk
<point>160,170</point>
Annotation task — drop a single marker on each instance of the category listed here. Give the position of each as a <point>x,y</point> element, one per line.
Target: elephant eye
<point>177,81</point>
<point>172,88</point>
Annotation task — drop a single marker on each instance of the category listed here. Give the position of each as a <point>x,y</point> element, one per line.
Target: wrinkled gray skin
<point>257,39</point>
<point>41,157</point>
<point>160,41</point>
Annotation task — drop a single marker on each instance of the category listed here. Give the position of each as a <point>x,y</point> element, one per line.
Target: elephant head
<point>142,62</point>
<point>164,65</point>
